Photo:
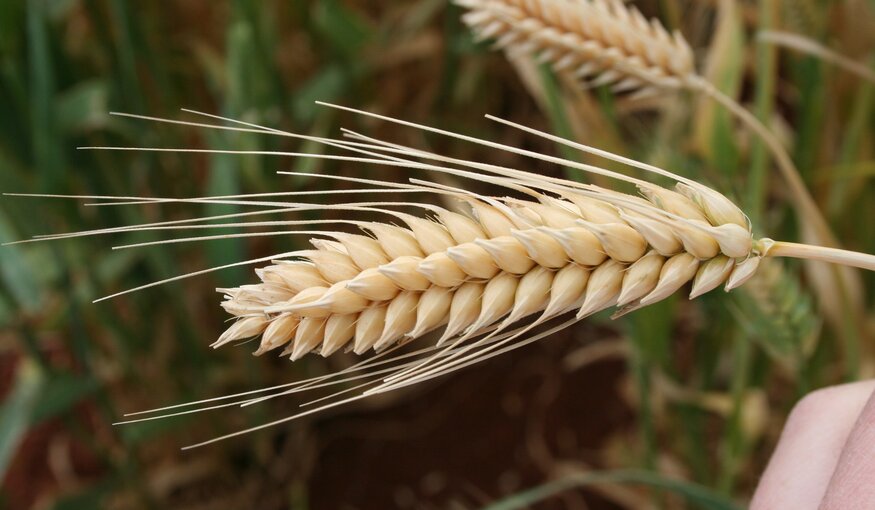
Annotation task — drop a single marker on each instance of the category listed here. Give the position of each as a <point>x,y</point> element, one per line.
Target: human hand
<point>825,458</point>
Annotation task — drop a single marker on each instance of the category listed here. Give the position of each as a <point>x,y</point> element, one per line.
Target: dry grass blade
<point>477,272</point>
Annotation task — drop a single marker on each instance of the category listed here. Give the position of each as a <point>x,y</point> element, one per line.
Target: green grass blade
<point>696,495</point>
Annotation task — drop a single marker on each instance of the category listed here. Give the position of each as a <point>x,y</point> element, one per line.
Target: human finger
<point>810,447</point>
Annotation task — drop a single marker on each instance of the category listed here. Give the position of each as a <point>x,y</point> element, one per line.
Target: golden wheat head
<point>489,274</point>
<point>493,262</point>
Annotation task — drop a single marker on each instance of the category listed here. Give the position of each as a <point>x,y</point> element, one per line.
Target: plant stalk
<point>821,253</point>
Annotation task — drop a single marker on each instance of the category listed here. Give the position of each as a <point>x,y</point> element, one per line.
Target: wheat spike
<point>571,246</point>
<point>494,263</point>
<point>562,252</point>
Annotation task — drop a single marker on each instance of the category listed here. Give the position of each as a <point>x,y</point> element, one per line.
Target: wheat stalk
<point>605,42</point>
<point>496,274</point>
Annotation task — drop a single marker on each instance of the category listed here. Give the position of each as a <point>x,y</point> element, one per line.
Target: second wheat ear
<point>605,42</point>
<point>496,274</point>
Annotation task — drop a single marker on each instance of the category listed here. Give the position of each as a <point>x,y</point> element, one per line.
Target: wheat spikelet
<point>496,274</point>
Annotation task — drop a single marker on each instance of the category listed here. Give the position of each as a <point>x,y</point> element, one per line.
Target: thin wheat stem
<point>821,253</point>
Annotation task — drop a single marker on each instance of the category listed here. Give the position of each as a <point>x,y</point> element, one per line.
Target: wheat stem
<point>821,253</point>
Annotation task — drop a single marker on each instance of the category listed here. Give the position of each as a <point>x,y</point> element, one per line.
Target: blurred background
<point>677,405</point>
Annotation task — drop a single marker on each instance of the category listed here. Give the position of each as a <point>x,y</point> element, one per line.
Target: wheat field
<point>496,276</point>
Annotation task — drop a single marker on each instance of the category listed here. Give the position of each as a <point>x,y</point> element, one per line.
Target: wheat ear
<point>555,253</point>
<point>605,42</point>
<point>570,246</point>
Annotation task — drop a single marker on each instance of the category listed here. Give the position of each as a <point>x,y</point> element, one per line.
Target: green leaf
<point>47,148</point>
<point>16,273</point>
<point>345,31</point>
<point>83,107</point>
<point>11,26</point>
<point>60,393</point>
<point>16,411</point>
<point>90,497</point>
<point>5,310</point>
<point>327,85</point>
<point>135,433</point>
<point>696,495</point>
